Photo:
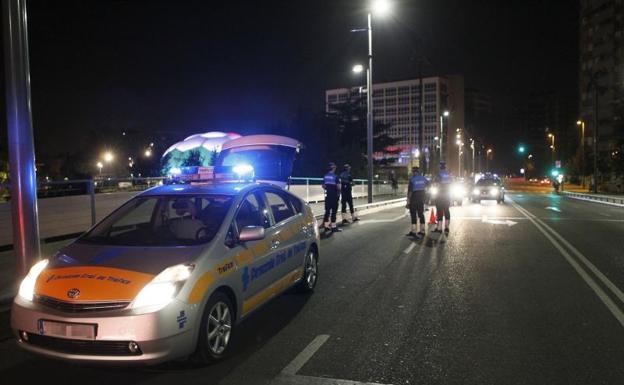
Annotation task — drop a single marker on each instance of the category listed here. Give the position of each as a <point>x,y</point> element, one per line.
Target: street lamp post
<point>487,159</point>
<point>99,166</point>
<point>582,124</point>
<point>369,107</point>
<point>445,114</point>
<point>472,147</point>
<point>552,147</point>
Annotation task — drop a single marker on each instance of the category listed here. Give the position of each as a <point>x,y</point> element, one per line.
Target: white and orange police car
<point>169,274</point>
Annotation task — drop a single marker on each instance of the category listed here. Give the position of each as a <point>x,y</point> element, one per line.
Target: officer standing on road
<point>331,185</point>
<point>416,201</point>
<point>346,194</point>
<point>443,200</point>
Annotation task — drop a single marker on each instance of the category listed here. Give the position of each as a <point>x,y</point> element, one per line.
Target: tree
<point>194,158</point>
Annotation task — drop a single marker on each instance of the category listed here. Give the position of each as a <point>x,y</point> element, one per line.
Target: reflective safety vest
<point>444,178</point>
<point>331,181</point>
<point>418,183</point>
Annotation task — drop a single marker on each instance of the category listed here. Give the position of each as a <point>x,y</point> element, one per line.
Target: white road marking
<point>553,208</point>
<point>507,222</point>
<point>366,221</point>
<point>293,367</point>
<point>409,248</point>
<point>558,242</point>
<point>288,375</point>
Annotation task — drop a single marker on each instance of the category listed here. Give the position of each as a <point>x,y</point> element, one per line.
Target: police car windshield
<point>180,220</point>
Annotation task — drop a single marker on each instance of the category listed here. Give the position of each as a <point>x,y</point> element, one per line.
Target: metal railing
<point>70,207</point>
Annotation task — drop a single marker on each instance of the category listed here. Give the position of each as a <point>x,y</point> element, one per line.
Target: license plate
<point>67,330</point>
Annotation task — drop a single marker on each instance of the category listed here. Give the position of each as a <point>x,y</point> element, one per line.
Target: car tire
<point>216,329</point>
<point>309,277</point>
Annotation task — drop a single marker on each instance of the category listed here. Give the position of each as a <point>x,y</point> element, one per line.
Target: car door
<point>254,258</point>
<point>286,235</point>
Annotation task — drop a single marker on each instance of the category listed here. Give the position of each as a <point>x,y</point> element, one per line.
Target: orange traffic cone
<point>432,218</point>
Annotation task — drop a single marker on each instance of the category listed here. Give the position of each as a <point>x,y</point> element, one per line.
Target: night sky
<point>184,67</point>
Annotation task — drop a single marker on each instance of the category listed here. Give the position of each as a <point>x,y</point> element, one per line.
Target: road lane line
<point>409,248</point>
<point>293,367</point>
<point>289,376</point>
<point>614,289</point>
<point>604,297</point>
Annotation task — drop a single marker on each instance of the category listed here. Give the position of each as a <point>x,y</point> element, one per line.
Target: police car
<point>169,274</point>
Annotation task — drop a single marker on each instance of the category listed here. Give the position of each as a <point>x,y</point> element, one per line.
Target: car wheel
<point>310,273</point>
<point>216,329</point>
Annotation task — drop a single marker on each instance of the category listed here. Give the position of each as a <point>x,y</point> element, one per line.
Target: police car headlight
<point>163,288</point>
<point>476,191</point>
<point>434,191</point>
<point>494,191</point>
<point>27,287</point>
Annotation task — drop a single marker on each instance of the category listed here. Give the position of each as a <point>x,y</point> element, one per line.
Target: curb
<point>373,207</point>
<point>603,199</point>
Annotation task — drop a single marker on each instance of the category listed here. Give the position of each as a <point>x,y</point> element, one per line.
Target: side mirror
<point>251,233</point>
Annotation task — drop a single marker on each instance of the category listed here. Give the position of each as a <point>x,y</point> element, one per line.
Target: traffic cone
<point>432,218</point>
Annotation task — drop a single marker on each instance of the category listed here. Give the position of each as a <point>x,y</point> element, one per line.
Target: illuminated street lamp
<point>108,157</point>
<point>551,136</point>
<point>358,68</point>
<point>148,153</point>
<point>99,166</point>
<point>445,114</point>
<point>381,8</point>
<point>487,159</point>
<point>582,124</point>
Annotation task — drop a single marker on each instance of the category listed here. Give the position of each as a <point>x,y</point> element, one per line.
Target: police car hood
<point>107,273</point>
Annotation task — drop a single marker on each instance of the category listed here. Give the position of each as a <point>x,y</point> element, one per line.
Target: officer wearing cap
<point>346,194</point>
<point>331,185</point>
<point>443,200</point>
<point>416,201</point>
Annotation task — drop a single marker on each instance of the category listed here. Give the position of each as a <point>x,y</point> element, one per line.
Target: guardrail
<point>604,199</point>
<point>88,201</point>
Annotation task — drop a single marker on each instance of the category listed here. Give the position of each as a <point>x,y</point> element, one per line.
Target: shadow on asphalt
<point>252,335</point>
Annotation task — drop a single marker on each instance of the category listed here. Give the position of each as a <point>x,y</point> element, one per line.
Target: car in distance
<point>168,275</point>
<point>488,188</point>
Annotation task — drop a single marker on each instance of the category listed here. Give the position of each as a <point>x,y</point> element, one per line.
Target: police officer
<point>331,185</point>
<point>346,196</point>
<point>416,201</point>
<point>443,200</point>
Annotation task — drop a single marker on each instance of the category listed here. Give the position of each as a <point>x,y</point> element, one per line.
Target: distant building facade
<point>397,104</point>
<point>602,64</point>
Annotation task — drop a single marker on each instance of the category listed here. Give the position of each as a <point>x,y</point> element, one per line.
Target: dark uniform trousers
<point>331,204</point>
<point>417,206</point>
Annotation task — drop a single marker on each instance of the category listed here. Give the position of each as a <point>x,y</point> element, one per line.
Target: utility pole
<point>20,134</point>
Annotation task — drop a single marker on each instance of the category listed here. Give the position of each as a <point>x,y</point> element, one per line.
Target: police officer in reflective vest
<point>346,196</point>
<point>331,185</point>
<point>416,201</point>
<point>443,200</point>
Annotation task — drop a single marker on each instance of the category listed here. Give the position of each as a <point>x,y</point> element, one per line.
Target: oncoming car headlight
<point>434,191</point>
<point>164,287</point>
<point>27,287</point>
<point>476,191</point>
<point>494,191</point>
<point>458,190</point>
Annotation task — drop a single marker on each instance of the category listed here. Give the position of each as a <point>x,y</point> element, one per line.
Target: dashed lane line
<point>409,248</point>
<point>289,375</point>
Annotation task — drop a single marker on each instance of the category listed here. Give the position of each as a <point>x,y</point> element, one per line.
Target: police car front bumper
<point>122,336</point>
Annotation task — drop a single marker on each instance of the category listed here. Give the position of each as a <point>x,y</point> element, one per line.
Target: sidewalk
<point>9,280</point>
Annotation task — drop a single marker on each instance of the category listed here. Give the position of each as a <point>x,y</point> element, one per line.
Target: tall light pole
<point>582,124</point>
<point>552,146</point>
<point>460,144</point>
<point>472,147</point>
<point>487,159</point>
<point>445,114</point>
<point>379,7</point>
<point>99,166</point>
<point>22,171</point>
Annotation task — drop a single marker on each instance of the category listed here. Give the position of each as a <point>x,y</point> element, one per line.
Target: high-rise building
<point>397,104</point>
<point>602,69</point>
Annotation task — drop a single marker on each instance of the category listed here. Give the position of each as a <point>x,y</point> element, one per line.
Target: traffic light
<point>521,149</point>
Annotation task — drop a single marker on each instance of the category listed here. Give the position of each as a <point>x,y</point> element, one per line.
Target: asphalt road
<point>522,293</point>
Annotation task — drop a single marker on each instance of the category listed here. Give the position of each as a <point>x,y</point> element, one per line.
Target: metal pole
<point>20,134</point>
<point>441,136</point>
<point>595,138</point>
<point>473,157</point>
<point>583,154</point>
<point>91,188</point>
<point>369,115</point>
